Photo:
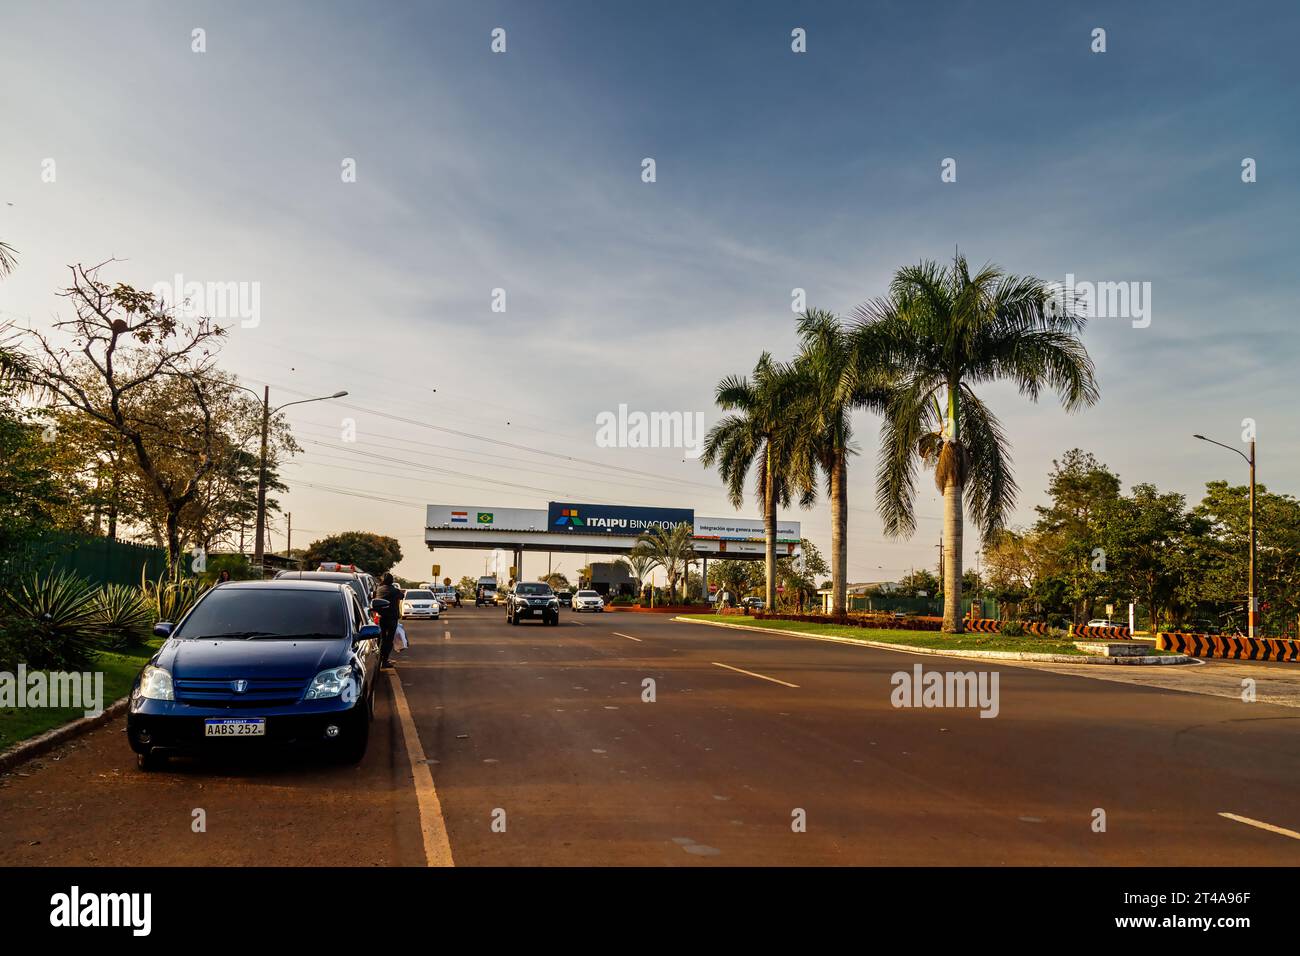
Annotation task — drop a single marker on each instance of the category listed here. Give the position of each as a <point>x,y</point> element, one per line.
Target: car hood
<point>208,657</point>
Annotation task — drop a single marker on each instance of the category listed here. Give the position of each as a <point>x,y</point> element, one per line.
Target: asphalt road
<point>543,751</point>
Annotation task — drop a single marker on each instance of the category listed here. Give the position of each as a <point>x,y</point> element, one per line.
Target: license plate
<point>235,727</point>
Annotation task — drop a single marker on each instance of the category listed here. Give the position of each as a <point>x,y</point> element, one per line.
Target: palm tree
<point>942,331</point>
<point>831,385</point>
<point>668,548</point>
<point>8,259</point>
<point>762,432</point>
<point>640,565</point>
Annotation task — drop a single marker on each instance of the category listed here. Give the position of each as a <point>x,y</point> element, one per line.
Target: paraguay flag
<point>460,517</point>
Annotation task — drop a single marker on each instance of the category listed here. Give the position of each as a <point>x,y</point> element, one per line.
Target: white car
<point>1101,622</point>
<point>588,601</point>
<point>419,603</point>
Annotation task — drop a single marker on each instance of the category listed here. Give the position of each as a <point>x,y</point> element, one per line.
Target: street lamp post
<point>259,538</point>
<point>1252,599</point>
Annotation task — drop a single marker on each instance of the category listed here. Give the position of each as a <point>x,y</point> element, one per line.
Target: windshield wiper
<point>305,637</point>
<point>231,635</point>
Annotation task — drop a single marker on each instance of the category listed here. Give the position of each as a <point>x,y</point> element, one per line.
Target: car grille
<point>220,692</point>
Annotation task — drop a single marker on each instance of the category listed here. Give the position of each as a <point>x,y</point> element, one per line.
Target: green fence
<point>99,560</point>
<point>914,605</point>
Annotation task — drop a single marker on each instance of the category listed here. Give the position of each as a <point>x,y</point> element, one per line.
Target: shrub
<point>125,614</point>
<point>52,622</point>
<point>1057,634</point>
<point>1013,629</point>
<point>170,599</point>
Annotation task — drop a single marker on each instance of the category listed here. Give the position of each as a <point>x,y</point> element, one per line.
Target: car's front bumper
<point>176,726</point>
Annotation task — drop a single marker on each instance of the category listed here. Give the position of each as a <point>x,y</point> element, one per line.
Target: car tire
<point>151,761</point>
<point>354,750</point>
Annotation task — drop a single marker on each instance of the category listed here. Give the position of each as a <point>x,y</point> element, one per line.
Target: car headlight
<point>330,683</point>
<point>552,603</point>
<point>156,684</point>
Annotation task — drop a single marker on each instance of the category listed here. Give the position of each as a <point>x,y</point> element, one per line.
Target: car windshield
<point>419,595</point>
<point>588,594</point>
<point>533,589</point>
<point>265,613</point>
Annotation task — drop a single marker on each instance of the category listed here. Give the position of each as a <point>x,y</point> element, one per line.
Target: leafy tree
<point>557,580</point>
<point>941,332</point>
<point>127,356</point>
<point>1220,555</point>
<point>759,435</point>
<point>1083,491</point>
<point>373,553</point>
<point>738,577</point>
<point>1145,535</point>
<point>921,579</point>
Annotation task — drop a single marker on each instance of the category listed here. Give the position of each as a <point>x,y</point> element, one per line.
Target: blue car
<point>259,663</point>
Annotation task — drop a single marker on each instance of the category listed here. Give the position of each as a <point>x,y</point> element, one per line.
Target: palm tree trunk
<point>839,536</point>
<point>952,532</point>
<point>769,529</point>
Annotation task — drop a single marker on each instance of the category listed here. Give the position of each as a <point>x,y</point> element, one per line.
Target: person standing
<point>388,617</point>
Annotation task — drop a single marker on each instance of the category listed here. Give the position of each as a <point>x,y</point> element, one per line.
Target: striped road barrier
<point>1235,648</point>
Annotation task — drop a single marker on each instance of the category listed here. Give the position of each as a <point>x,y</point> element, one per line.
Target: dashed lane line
<point>752,674</point>
<point>1262,825</point>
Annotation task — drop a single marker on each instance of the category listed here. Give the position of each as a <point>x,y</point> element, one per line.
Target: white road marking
<point>446,635</point>
<point>628,636</point>
<point>437,848</point>
<point>1261,825</point>
<point>752,674</point>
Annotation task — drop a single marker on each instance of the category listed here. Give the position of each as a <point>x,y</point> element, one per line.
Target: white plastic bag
<point>400,643</point>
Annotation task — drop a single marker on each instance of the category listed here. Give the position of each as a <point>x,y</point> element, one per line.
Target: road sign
<point>446,582</point>
<point>437,570</point>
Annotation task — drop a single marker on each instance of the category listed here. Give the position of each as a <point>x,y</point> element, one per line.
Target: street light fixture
<point>1252,600</point>
<point>259,540</point>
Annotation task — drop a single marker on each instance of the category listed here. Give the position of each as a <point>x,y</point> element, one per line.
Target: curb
<point>21,753</point>
<point>987,655</point>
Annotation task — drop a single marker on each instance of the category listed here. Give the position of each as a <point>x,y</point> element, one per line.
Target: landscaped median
<point>996,646</point>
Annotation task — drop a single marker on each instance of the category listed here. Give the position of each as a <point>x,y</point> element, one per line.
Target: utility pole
<point>288,540</point>
<point>259,539</point>
<point>1252,605</point>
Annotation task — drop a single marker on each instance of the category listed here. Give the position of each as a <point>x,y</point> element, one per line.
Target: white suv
<point>588,601</point>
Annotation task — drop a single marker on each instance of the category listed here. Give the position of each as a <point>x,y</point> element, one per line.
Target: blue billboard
<point>631,520</point>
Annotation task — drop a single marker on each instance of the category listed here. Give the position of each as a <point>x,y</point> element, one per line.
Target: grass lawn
<point>928,639</point>
<point>120,667</point>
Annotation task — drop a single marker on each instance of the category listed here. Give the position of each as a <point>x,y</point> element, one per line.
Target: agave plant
<point>170,598</point>
<point>125,615</point>
<point>53,621</point>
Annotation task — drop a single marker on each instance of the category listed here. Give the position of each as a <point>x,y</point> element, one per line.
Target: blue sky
<point>775,170</point>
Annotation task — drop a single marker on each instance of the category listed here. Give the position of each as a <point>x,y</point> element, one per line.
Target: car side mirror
<point>368,632</point>
<point>379,604</point>
<point>163,629</point>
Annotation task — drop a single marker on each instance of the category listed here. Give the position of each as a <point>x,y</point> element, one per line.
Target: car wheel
<point>150,761</point>
<point>355,749</point>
